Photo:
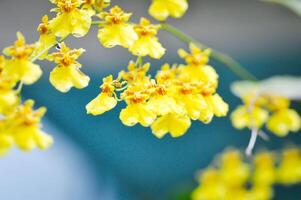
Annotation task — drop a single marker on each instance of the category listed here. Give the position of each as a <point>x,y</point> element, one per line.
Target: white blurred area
<point>63,172</point>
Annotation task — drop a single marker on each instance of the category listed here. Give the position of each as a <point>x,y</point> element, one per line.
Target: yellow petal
<point>64,78</point>
<point>137,113</point>
<point>262,192</point>
<point>162,105</point>
<point>217,105</point>
<point>177,8</point>
<point>148,46</point>
<point>43,140</point>
<point>194,104</point>
<point>171,123</point>
<point>113,35</point>
<point>289,169</point>
<point>264,172</point>
<point>254,117</point>
<point>77,23</point>
<point>78,78</point>
<point>158,10</point>
<point>205,74</point>
<point>283,121</point>
<point>32,74</point>
<point>161,9</point>
<point>8,100</point>
<point>206,115</point>
<point>6,142</point>
<point>24,138</point>
<point>102,103</point>
<point>23,70</point>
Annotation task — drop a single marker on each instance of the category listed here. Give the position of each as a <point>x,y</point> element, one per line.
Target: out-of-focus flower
<point>244,117</point>
<point>265,109</point>
<point>161,9</point>
<point>283,121</point>
<point>264,173</point>
<point>8,96</point>
<point>260,192</point>
<point>19,67</point>
<point>22,128</point>
<point>117,30</point>
<point>211,186</point>
<point>289,170</point>
<point>70,18</point>
<point>230,177</point>
<point>147,42</point>
<point>67,73</point>
<point>233,171</point>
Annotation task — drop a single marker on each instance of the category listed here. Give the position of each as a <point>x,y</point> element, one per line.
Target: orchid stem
<point>252,141</point>
<point>48,48</point>
<point>223,58</point>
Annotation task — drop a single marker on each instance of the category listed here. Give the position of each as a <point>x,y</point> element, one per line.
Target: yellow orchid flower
<point>70,19</point>
<point>283,121</point>
<point>147,42</point>
<point>137,110</point>
<point>245,117</point>
<point>116,31</point>
<point>105,100</point>
<point>161,9</point>
<point>20,67</point>
<point>234,171</point>
<point>264,169</point>
<point>67,74</point>
<point>22,128</point>
<point>289,170</point>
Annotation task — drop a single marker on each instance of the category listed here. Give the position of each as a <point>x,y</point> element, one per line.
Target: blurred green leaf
<point>294,5</point>
<point>287,86</point>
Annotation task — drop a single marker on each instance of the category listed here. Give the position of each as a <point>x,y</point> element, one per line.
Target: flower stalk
<point>227,60</point>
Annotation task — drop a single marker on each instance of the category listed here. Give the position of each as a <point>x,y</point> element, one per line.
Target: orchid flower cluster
<point>167,103</point>
<point>20,123</point>
<point>265,109</point>
<point>233,177</point>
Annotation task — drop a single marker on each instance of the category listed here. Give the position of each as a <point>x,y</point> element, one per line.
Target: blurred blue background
<point>98,157</point>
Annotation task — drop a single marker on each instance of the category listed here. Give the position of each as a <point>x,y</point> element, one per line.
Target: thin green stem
<point>98,23</point>
<point>116,97</point>
<point>139,61</point>
<point>19,88</point>
<point>227,60</point>
<point>47,49</point>
<point>122,88</point>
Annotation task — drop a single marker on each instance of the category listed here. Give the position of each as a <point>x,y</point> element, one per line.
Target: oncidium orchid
<point>231,176</point>
<point>269,109</point>
<point>168,102</point>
